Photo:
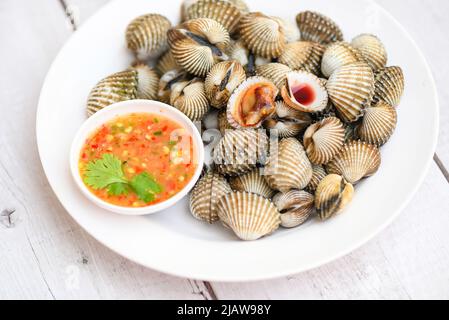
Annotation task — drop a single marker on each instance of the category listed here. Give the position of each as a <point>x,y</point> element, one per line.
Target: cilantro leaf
<point>104,172</point>
<point>146,187</point>
<point>118,189</point>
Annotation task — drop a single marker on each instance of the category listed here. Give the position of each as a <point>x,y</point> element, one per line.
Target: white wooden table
<point>44,254</point>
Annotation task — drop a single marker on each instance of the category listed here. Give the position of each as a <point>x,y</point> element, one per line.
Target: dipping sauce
<point>138,160</point>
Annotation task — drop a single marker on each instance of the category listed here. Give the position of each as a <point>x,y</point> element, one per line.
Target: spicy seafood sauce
<point>144,143</point>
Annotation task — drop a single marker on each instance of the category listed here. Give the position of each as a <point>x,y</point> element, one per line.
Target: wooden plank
<point>44,253</point>
<point>407,261</point>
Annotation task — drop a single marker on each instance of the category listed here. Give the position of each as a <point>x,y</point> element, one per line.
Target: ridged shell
<point>372,50</point>
<point>324,139</point>
<point>303,55</point>
<point>237,51</point>
<point>120,86</point>
<point>332,196</point>
<point>239,151</point>
<point>249,215</point>
<point>378,124</point>
<point>389,86</point>
<point>288,168</point>
<point>275,72</point>
<point>295,207</point>
<point>291,30</point>
<point>263,35</point>
<point>337,55</point>
<point>223,123</point>
<point>240,110</point>
<point>318,28</point>
<point>287,121</point>
<point>146,36</point>
<point>351,89</point>
<point>206,195</point>
<point>252,182</point>
<point>224,12</point>
<point>318,174</point>
<point>197,45</point>
<point>357,160</point>
<point>147,82</point>
<point>221,82</point>
<point>299,79</point>
<point>167,81</point>
<point>189,97</point>
<point>166,63</point>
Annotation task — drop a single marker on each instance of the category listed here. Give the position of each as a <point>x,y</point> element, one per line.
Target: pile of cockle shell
<point>253,68</point>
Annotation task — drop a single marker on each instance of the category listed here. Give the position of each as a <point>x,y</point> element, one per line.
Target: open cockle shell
<point>249,215</point>
<point>378,124</point>
<point>222,80</point>
<point>351,89</point>
<point>304,92</point>
<point>224,12</point>
<point>318,174</point>
<point>372,50</point>
<point>337,55</point>
<point>357,160</point>
<point>262,35</point>
<point>275,72</point>
<point>332,196</point>
<point>251,103</point>
<point>120,86</point>
<point>252,182</point>
<point>189,98</point>
<point>295,207</point>
<point>240,151</point>
<point>148,82</point>
<point>287,121</point>
<point>146,36</point>
<point>389,85</point>
<point>318,28</point>
<point>205,196</point>
<point>197,45</point>
<point>324,139</point>
<point>303,55</point>
<point>167,81</point>
<point>288,167</point>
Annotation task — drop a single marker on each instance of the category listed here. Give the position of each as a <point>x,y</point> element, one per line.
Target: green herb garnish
<point>158,133</point>
<point>172,143</point>
<point>156,120</point>
<point>107,173</point>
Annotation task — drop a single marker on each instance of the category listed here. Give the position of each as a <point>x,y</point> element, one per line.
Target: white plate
<point>172,241</point>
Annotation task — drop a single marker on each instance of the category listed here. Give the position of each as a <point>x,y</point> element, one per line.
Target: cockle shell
<point>318,28</point>
<point>372,50</point>
<point>357,160</point>
<point>275,72</point>
<point>304,92</point>
<point>120,86</point>
<point>206,195</point>
<point>303,55</point>
<point>189,97</point>
<point>351,89</point>
<point>332,196</point>
<point>252,182</point>
<point>295,207</point>
<point>223,123</point>
<point>251,103</point>
<point>337,55</point>
<point>287,121</point>
<point>318,174</point>
<point>291,31</point>
<point>224,12</point>
<point>288,167</point>
<point>237,51</point>
<point>221,82</point>
<point>378,124</point>
<point>146,36</point>
<point>148,82</point>
<point>389,85</point>
<point>249,215</point>
<point>263,35</point>
<point>167,81</point>
<point>324,139</point>
<point>197,45</point>
<point>166,63</point>
<point>239,151</point>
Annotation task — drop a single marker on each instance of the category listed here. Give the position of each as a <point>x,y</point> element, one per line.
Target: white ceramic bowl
<point>124,108</point>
